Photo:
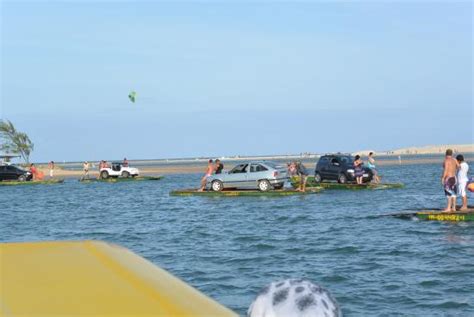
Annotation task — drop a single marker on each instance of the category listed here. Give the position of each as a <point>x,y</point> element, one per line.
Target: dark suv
<point>10,172</point>
<point>338,167</point>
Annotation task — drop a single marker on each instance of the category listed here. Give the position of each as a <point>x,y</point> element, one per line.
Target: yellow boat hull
<point>92,278</point>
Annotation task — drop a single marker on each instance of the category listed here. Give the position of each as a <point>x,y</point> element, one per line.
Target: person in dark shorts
<point>302,172</point>
<point>448,179</point>
<point>219,166</point>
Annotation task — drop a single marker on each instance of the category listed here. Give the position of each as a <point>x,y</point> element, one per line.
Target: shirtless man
<point>449,180</point>
<point>209,171</point>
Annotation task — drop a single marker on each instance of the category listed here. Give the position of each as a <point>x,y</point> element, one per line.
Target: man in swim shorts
<point>448,180</point>
<point>209,171</point>
<point>302,172</point>
<point>463,179</point>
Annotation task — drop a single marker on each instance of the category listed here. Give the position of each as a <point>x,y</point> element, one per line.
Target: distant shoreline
<point>422,150</point>
<point>153,167</point>
<point>199,167</point>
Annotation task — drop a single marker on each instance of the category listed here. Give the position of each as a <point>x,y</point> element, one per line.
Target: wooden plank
<point>438,215</point>
<point>333,185</point>
<point>445,216</point>
<point>122,179</point>
<point>46,182</point>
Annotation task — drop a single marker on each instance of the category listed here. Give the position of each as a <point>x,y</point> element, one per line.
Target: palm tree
<point>14,141</point>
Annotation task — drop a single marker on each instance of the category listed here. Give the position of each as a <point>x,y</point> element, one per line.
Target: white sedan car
<point>118,170</point>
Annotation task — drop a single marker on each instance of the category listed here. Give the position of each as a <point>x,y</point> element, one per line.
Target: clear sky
<point>228,78</point>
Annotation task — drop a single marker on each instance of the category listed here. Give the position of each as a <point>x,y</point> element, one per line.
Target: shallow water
<point>230,247</point>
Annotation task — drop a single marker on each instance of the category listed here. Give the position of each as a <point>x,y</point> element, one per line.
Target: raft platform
<point>248,192</point>
<point>438,215</point>
<point>310,183</point>
<point>46,182</point>
<point>121,179</point>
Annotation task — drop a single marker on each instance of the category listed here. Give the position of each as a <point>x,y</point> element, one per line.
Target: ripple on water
<point>230,248</point>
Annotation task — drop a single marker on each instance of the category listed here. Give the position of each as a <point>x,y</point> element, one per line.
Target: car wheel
<point>104,174</point>
<point>125,174</point>
<point>318,178</point>
<point>217,186</point>
<point>22,178</point>
<point>342,179</point>
<point>264,185</point>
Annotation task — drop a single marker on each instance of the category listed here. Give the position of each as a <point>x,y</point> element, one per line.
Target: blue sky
<point>228,78</point>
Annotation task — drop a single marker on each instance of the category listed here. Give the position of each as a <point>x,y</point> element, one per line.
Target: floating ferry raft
<point>333,185</point>
<point>93,278</point>
<point>121,179</point>
<point>46,182</point>
<point>234,193</point>
<point>438,215</point>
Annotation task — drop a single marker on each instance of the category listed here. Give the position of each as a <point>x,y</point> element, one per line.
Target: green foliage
<point>13,141</point>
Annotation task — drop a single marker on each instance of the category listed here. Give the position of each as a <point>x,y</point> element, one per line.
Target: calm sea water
<point>229,248</point>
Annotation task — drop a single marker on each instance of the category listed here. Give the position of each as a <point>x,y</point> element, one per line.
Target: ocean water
<point>231,247</point>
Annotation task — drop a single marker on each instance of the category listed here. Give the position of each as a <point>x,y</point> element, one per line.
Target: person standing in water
<point>463,179</point>
<point>209,171</point>
<point>371,165</point>
<point>448,180</point>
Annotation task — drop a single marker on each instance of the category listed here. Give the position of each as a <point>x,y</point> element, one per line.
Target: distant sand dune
<point>429,149</point>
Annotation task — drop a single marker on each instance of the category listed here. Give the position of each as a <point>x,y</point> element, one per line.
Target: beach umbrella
<point>132,96</point>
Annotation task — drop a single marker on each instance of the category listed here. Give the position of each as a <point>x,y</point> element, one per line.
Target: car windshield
<point>346,160</point>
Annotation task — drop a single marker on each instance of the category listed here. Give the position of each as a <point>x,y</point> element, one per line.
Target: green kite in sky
<point>132,95</point>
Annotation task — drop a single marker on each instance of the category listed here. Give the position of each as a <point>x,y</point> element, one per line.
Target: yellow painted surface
<point>92,278</point>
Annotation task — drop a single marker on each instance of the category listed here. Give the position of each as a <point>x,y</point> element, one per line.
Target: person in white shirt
<point>463,179</point>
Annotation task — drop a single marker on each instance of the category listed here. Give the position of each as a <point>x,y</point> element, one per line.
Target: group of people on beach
<point>86,167</point>
<point>455,180</point>
<point>213,167</point>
